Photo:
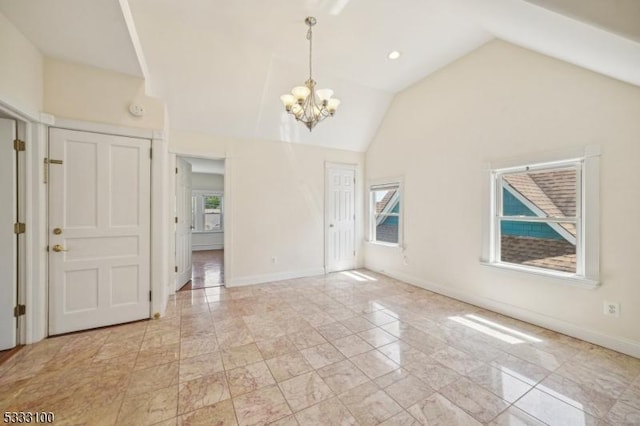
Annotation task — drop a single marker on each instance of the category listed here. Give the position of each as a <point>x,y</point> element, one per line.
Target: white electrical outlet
<point>611,309</point>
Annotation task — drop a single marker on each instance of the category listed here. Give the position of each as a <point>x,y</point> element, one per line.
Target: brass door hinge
<point>176,219</point>
<point>19,228</point>
<point>18,145</point>
<point>176,268</point>
<point>149,295</point>
<point>151,153</point>
<point>176,170</point>
<point>19,310</point>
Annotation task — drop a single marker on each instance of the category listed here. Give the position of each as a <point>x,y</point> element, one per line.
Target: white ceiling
<point>93,32</point>
<point>621,17</point>
<point>221,66</point>
<point>205,165</point>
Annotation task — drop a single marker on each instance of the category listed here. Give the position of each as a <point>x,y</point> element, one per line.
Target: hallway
<point>208,270</point>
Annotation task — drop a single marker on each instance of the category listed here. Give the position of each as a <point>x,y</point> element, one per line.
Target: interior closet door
<point>99,230</point>
<point>340,218</point>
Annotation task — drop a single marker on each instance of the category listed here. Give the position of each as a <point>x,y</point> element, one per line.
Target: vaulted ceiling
<point>221,65</point>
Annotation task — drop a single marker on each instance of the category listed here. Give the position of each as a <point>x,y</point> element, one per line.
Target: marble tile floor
<point>9,353</point>
<point>342,349</point>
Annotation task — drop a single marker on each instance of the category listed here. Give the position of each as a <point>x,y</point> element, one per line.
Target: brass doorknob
<point>58,248</point>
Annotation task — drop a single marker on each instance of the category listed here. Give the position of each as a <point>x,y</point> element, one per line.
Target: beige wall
<point>87,93</point>
<point>274,203</point>
<point>212,182</point>
<point>500,102</point>
<point>31,83</point>
<point>21,70</point>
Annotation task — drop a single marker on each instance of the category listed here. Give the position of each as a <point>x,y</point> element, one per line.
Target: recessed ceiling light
<point>394,55</point>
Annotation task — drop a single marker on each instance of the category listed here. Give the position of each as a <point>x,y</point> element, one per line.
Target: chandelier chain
<point>309,37</point>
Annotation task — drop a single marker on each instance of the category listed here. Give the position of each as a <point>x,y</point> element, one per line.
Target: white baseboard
<point>278,276</point>
<point>207,247</point>
<point>620,344</point>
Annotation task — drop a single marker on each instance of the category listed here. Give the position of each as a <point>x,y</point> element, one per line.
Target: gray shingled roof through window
<point>558,255</point>
<point>382,204</point>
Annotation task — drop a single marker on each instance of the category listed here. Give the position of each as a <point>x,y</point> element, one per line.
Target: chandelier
<point>305,103</point>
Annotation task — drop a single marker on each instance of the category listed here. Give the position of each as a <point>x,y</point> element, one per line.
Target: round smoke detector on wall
<point>136,110</point>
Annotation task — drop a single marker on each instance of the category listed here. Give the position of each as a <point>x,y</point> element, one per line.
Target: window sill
<point>383,244</point>
<point>207,232</point>
<point>566,278</point>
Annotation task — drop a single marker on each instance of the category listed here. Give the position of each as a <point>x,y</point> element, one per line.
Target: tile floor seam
<point>347,406</point>
<point>529,413</point>
<point>461,408</point>
<point>542,388</point>
<point>468,412</point>
<point>129,382</point>
<point>235,413</point>
<point>283,396</point>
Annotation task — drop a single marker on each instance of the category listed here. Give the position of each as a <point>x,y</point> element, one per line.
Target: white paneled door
<point>99,230</point>
<point>183,223</point>
<point>340,218</point>
<point>8,240</point>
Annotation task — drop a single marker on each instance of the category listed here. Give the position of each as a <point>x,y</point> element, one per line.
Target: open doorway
<point>205,204</point>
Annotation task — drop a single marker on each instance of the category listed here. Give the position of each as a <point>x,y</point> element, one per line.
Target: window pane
<point>211,202</point>
<point>194,209</point>
<point>387,228</point>
<point>211,221</point>
<point>543,245</point>
<point>384,199</point>
<point>386,206</point>
<point>547,193</point>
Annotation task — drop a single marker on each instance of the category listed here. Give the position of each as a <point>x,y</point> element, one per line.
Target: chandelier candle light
<point>307,104</point>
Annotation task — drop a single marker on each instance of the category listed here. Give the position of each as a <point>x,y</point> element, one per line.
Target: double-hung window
<point>207,211</point>
<point>385,213</point>
<point>538,217</point>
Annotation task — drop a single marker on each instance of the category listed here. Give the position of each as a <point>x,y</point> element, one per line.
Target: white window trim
<point>377,184</point>
<point>587,245</point>
<point>200,218</point>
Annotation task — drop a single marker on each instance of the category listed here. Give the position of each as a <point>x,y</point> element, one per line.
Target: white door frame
<point>183,276</point>
<point>173,155</point>
<point>356,231</point>
<point>31,260</point>
<point>14,192</point>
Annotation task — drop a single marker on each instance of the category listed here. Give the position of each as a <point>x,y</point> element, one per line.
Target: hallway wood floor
<point>208,270</point>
